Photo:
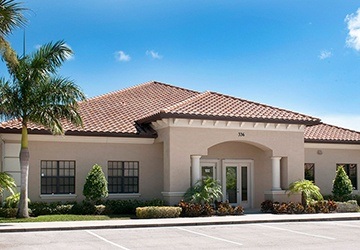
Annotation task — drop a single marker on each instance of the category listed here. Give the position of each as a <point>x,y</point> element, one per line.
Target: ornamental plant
<point>309,191</point>
<point>95,187</point>
<point>204,191</point>
<point>342,187</point>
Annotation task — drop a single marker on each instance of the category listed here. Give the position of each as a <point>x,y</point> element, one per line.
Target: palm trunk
<point>23,211</point>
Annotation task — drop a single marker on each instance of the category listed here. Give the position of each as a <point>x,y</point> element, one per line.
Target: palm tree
<point>309,191</point>
<point>11,17</point>
<point>37,95</point>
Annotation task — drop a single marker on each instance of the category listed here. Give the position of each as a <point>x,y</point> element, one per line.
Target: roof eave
<point>331,141</point>
<point>81,133</point>
<point>162,115</point>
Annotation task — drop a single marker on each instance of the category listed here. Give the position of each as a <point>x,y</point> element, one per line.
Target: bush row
<point>297,208</point>
<point>157,212</point>
<point>196,210</point>
<point>113,207</point>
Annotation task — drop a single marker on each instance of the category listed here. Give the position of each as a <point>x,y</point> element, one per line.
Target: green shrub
<point>42,208</point>
<point>204,191</point>
<point>129,206</point>
<point>95,187</point>
<point>8,212</point>
<point>157,212</point>
<point>83,208</point>
<point>342,186</point>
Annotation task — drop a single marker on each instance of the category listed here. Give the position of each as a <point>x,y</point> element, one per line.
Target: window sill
<point>57,196</point>
<point>124,195</point>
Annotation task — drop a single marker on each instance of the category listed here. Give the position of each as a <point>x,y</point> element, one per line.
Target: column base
<point>173,198</point>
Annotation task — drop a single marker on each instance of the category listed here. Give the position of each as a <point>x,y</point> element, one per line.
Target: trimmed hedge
<point>157,212</point>
<point>108,207</point>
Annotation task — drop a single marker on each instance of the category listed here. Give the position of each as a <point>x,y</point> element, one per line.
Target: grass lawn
<point>65,217</point>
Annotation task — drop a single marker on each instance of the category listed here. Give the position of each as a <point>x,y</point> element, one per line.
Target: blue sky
<point>299,55</point>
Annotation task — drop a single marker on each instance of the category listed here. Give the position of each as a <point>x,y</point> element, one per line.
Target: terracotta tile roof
<point>211,105</point>
<point>127,112</point>
<point>326,133</point>
<point>116,112</point>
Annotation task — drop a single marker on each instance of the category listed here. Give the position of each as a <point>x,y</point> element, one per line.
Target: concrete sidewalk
<point>138,223</point>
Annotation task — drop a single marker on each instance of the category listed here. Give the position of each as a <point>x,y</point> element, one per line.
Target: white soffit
<point>200,123</point>
<point>83,139</point>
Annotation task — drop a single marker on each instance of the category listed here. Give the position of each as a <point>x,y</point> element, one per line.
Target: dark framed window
<point>123,176</point>
<point>351,171</point>
<point>309,171</point>
<point>57,177</point>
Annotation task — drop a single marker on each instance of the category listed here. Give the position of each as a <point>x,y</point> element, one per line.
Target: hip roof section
<point>130,111</point>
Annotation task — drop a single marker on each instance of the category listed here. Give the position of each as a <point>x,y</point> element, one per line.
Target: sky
<point>300,55</point>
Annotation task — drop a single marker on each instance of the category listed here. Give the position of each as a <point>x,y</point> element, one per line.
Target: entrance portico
<point>264,153</point>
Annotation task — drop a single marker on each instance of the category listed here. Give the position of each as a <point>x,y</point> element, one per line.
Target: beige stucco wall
<point>87,154</point>
<point>325,163</point>
<point>182,142</point>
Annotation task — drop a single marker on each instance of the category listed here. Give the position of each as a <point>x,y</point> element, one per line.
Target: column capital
<point>195,156</point>
<point>276,157</point>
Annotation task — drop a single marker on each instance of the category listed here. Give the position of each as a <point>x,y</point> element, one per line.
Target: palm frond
<point>49,57</point>
<point>57,100</point>
<point>11,16</point>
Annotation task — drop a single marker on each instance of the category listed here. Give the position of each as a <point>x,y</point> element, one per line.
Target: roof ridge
<point>186,101</point>
<point>264,105</point>
<point>120,90</point>
<point>138,86</point>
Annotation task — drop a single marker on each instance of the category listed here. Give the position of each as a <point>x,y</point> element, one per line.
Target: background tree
<point>36,94</point>
<point>95,187</point>
<point>342,186</point>
<point>11,17</point>
<point>309,191</point>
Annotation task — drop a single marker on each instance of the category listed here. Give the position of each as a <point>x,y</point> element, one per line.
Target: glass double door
<point>236,182</point>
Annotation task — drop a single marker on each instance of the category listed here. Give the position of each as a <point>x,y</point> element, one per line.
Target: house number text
<point>241,134</point>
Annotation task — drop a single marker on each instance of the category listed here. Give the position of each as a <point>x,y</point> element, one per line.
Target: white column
<point>276,173</point>
<point>195,168</point>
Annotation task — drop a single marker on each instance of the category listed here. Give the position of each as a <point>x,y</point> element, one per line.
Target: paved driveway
<point>302,235</point>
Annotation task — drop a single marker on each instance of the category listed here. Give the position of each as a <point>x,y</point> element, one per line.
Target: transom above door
<point>235,176</point>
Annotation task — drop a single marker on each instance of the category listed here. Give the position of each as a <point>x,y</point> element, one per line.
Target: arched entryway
<point>243,169</point>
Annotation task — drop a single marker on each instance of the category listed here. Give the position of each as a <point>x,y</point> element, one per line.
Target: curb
<point>155,225</point>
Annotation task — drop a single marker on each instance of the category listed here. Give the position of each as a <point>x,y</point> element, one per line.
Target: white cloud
<point>122,56</point>
<point>353,24</point>
<point>325,54</point>
<point>153,54</point>
<point>69,56</point>
<point>344,121</point>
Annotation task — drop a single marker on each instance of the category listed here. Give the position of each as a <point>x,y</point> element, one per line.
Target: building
<point>154,140</point>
